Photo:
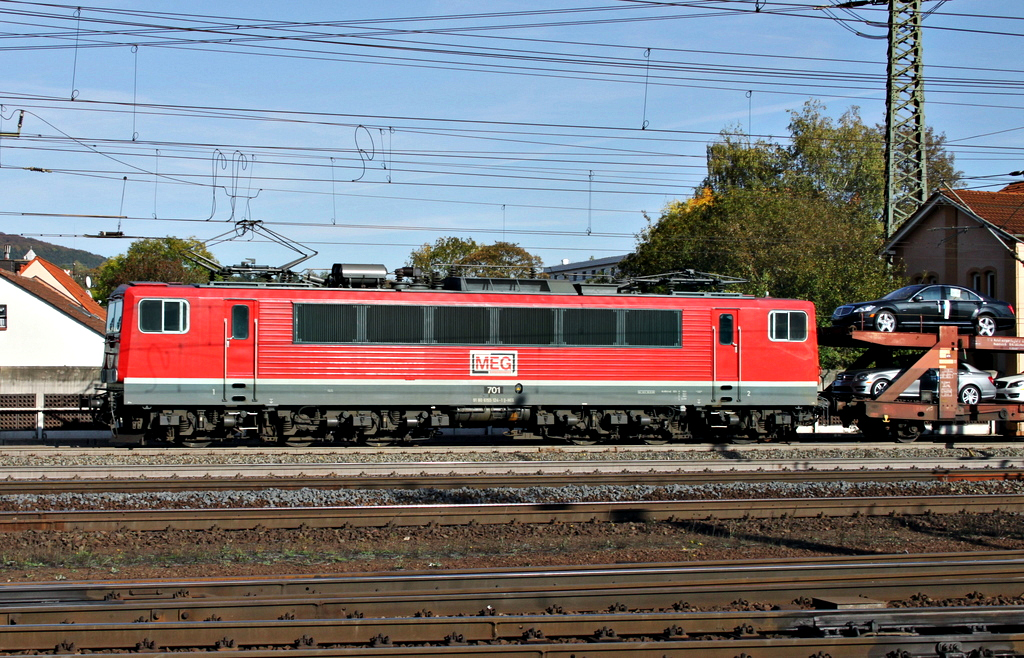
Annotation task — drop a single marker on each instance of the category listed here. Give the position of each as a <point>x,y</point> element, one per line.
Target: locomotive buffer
<point>905,418</point>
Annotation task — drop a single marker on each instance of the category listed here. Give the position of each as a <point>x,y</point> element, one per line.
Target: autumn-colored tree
<point>467,258</point>
<point>152,259</point>
<point>443,253</point>
<point>799,221</point>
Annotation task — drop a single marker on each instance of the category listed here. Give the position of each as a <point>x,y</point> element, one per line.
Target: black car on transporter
<point>923,307</point>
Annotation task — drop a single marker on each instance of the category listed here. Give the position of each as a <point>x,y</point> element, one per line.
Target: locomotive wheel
<point>655,441</point>
<point>583,442</point>
<point>196,444</point>
<point>378,441</point>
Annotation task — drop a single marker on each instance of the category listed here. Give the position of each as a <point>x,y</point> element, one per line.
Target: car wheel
<point>885,321</point>
<point>985,325</point>
<point>970,394</point>
<point>879,386</point>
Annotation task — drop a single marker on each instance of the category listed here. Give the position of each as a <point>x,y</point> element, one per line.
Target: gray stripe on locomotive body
<point>353,396</point>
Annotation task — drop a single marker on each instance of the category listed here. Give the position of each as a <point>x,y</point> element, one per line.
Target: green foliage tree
<point>467,258</point>
<point>444,252</point>
<point>796,221</point>
<point>152,259</point>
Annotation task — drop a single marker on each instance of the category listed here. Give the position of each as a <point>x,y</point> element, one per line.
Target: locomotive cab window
<point>239,322</point>
<point>114,310</point>
<point>163,316</point>
<point>787,326</point>
<point>725,329</point>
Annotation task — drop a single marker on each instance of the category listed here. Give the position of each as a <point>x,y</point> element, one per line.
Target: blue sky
<point>365,129</point>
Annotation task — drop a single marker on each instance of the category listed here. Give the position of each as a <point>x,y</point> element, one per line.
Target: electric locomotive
<point>371,359</point>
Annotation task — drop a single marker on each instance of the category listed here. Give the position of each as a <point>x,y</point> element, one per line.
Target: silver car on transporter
<point>973,387</point>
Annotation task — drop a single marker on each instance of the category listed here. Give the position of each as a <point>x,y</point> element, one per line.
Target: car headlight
<point>867,308</point>
<point>862,376</point>
<point>1016,384</point>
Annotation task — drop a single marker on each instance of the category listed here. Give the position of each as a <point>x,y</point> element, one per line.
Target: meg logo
<point>493,363</point>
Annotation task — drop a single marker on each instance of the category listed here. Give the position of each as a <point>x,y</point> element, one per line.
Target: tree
<point>443,253</point>
<point>799,221</point>
<point>467,258</point>
<point>152,259</point>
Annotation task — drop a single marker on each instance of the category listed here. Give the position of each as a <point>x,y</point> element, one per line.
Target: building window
<point>976,282</point>
<point>787,325</point>
<point>163,316</point>
<point>990,283</point>
<point>3,317</point>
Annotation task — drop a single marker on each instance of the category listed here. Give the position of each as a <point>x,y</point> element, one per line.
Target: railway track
<point>836,606</point>
<point>48,481</point>
<point>247,518</point>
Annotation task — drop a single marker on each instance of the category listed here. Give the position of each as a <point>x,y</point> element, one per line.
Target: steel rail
<point>658,593</point>
<point>508,470</point>
<point>19,482</point>
<point>434,581</point>
<point>498,513</point>
<point>938,646</point>
<point>807,628</point>
<point>391,630</point>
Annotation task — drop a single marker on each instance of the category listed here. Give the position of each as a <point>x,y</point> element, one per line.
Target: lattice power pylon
<point>906,165</point>
<point>906,170</point>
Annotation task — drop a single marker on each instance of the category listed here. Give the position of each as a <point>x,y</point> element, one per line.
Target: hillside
<point>60,256</point>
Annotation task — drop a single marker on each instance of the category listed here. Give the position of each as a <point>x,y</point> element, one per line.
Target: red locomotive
<point>373,360</point>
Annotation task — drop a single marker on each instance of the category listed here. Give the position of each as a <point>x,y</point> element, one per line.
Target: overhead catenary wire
<point>460,168</point>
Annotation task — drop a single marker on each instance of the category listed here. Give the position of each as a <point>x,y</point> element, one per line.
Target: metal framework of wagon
<point>941,352</point>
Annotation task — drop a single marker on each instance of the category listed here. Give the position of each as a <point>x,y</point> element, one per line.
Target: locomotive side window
<point>653,328</point>
<point>725,328</point>
<point>239,322</point>
<point>472,325</point>
<point>787,325</point>
<point>526,326</point>
<point>455,325</point>
<point>325,323</point>
<point>163,316</point>
<point>589,326</point>
<point>394,324</point>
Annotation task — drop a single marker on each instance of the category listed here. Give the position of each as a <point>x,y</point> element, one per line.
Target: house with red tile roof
<point>60,280</point>
<point>51,350</point>
<point>43,327</point>
<point>972,238</point>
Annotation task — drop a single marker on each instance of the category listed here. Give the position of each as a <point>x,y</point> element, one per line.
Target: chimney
<point>7,252</point>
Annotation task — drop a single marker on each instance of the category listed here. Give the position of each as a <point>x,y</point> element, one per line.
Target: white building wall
<point>39,335</point>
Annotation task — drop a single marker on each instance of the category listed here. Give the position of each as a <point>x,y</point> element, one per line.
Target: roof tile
<point>70,285</point>
<point>1004,208</point>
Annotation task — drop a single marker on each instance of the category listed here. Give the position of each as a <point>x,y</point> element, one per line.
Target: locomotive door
<point>725,376</point>
<point>240,361</point>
